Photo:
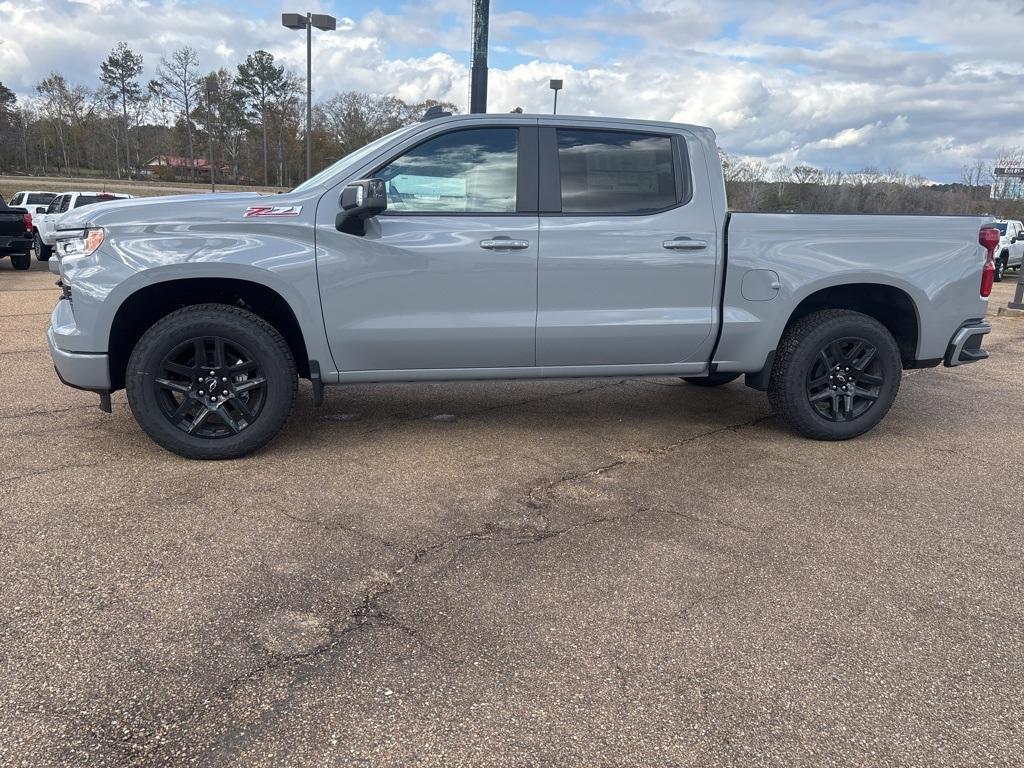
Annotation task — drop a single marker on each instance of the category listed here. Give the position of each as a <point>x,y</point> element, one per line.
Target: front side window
<point>615,172</point>
<point>471,171</point>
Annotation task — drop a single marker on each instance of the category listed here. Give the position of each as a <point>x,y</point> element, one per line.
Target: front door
<point>447,277</point>
<point>628,250</point>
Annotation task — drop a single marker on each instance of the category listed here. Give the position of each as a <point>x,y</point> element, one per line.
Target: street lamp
<point>556,86</point>
<point>326,23</point>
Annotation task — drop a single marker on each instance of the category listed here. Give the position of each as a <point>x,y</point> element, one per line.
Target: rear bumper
<point>78,370</point>
<point>965,346</point>
<point>16,244</point>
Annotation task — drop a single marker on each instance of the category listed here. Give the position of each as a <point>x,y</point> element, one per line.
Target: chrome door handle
<point>685,244</point>
<point>504,244</point>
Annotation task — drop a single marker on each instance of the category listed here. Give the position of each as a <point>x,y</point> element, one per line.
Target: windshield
<point>1002,227</point>
<point>352,158</point>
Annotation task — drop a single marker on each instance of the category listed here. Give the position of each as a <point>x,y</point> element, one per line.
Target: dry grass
<point>10,185</point>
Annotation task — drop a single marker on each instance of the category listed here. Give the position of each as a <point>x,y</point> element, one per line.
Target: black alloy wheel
<point>210,387</point>
<point>846,380</point>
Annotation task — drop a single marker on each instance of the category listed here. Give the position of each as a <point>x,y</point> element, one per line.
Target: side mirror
<point>360,200</point>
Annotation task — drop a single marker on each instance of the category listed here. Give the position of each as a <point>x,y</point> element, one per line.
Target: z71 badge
<point>272,210</point>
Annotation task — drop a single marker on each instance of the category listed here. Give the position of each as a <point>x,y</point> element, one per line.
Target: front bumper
<point>965,346</point>
<point>80,370</point>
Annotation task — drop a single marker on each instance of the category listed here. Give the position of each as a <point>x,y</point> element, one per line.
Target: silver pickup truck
<point>498,247</point>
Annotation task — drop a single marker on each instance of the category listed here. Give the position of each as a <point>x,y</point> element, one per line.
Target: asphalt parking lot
<point>576,573</point>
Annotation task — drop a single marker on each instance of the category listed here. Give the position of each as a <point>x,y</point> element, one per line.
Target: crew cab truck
<point>500,247</point>
<point>45,231</point>
<point>15,235</point>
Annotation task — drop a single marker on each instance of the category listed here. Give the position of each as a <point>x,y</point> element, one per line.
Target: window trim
<point>527,165</point>
<point>550,201</point>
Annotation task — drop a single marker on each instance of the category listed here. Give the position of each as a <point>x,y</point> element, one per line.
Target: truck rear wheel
<point>43,251</point>
<point>1001,268</point>
<point>836,374</point>
<point>211,381</point>
<point>21,260</point>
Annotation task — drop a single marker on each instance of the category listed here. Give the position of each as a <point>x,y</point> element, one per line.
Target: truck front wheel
<point>211,381</point>
<point>836,374</point>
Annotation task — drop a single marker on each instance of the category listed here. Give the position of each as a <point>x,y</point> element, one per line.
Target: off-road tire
<point>714,380</point>
<point>236,326</point>
<point>21,260</point>
<point>798,353</point>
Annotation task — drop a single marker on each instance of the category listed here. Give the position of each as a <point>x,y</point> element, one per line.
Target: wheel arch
<point>146,305</point>
<point>891,306</point>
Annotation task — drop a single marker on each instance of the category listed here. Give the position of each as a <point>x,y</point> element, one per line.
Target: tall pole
<point>309,94</point>
<point>554,110</point>
<point>211,160</point>
<point>478,75</point>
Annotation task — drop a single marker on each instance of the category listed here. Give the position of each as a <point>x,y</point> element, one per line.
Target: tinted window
<point>39,198</point>
<point>15,201</point>
<point>615,172</point>
<point>65,201</point>
<point>471,171</point>
<point>1002,227</point>
<point>90,199</point>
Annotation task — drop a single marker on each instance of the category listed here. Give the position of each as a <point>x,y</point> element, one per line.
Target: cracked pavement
<point>614,572</point>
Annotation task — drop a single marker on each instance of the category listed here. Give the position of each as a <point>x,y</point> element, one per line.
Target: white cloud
<point>916,85</point>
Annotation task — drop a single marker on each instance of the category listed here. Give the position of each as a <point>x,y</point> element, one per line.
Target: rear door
<point>628,248</point>
<point>446,278</point>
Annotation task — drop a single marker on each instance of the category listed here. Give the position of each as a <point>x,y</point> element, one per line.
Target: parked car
<point>46,223</point>
<point>35,203</point>
<point>15,235</point>
<point>1010,253</point>
<point>498,247</point>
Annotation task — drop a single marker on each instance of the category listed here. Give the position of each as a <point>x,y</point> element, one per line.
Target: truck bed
<point>778,261</point>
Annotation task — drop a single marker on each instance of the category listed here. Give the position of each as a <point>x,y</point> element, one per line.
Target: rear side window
<point>39,198</point>
<point>15,201</point>
<point>615,172</point>
<point>90,199</point>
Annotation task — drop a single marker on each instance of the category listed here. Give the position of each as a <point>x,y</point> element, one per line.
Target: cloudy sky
<point>925,86</point>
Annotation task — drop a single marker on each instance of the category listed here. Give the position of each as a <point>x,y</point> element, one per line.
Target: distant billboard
<point>1010,169</point>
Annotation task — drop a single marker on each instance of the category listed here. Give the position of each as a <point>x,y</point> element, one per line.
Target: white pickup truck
<point>35,203</point>
<point>1010,252</point>
<point>45,224</point>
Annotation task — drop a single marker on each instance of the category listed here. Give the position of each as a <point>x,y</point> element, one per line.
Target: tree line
<point>754,186</point>
<point>248,124</point>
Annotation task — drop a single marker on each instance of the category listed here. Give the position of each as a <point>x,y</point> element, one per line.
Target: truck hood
<point>139,209</point>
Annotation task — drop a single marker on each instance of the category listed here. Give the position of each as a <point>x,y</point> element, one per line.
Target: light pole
<point>556,86</point>
<point>307,22</point>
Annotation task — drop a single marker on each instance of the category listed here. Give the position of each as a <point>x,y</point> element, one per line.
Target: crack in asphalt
<point>638,457</point>
<point>369,614</point>
<point>50,471</point>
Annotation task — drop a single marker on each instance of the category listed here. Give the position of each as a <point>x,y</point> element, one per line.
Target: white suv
<point>45,227</point>
<point>1010,251</point>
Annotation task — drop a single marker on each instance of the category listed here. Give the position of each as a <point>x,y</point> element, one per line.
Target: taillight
<point>988,238</point>
<point>27,218</point>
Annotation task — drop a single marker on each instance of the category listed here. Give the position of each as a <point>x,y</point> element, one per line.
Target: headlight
<point>83,245</point>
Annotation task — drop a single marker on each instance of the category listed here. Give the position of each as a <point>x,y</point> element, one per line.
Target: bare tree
<point>179,81</point>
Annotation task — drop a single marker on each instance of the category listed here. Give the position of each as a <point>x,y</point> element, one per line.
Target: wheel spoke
<point>242,407</point>
<point>868,357</point>
<point>198,420</point>
<point>228,419</point>
<point>245,386</point>
<point>819,382</point>
<point>174,386</point>
<point>179,369</point>
<point>182,410</point>
<point>861,392</point>
<point>870,378</point>
<point>823,395</point>
<point>218,352</point>
<point>836,351</point>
